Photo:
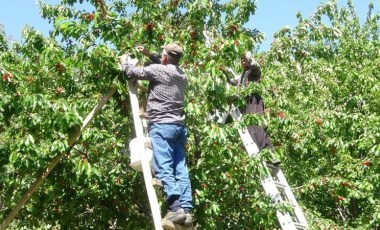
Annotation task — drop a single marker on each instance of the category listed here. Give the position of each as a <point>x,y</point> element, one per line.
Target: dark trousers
<point>255,105</point>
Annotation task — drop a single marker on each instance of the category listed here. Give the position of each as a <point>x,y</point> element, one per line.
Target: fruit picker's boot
<point>177,217</point>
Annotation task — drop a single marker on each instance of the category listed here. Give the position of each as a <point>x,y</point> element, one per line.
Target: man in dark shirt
<point>167,130</point>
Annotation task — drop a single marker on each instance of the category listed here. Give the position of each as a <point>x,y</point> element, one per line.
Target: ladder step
<point>157,182</point>
<point>278,184</point>
<point>272,166</point>
<point>300,226</point>
<point>143,115</point>
<point>166,224</point>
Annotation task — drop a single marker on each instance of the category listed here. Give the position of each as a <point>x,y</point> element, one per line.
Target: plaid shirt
<point>166,92</point>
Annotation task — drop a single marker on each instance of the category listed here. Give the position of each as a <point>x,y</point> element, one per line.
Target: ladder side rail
<point>249,144</point>
<point>135,109</point>
<point>153,201</point>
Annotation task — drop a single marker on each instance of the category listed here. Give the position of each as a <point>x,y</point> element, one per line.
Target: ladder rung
<point>166,224</point>
<point>271,166</point>
<point>278,184</point>
<point>300,226</point>
<point>157,182</point>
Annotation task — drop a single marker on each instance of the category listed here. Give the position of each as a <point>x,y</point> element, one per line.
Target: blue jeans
<point>168,143</point>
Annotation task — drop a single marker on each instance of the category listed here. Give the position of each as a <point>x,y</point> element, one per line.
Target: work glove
<point>125,58</point>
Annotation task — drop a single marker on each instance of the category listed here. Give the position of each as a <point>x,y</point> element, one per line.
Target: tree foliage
<point>324,84</point>
<point>320,85</point>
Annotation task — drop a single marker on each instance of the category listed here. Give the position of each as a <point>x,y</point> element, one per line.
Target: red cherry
<point>174,4</point>
<point>59,67</point>
<point>91,17</point>
<point>318,121</point>
<point>193,33</point>
<point>367,163</point>
<point>59,90</point>
<point>346,184</point>
<point>30,78</point>
<point>7,77</point>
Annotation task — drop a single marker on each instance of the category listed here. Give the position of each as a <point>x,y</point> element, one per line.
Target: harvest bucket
<point>137,147</point>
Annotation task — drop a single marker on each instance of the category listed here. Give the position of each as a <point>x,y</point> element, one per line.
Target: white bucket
<point>136,147</point>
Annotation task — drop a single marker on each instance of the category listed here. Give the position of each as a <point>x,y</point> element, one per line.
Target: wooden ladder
<point>150,181</point>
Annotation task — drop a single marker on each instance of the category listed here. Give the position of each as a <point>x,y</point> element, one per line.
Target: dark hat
<point>174,50</point>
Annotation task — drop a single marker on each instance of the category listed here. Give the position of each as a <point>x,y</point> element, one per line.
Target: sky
<point>270,16</point>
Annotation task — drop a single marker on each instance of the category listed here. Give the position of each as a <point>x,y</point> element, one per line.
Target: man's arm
<point>153,58</point>
<point>229,71</point>
<point>131,71</point>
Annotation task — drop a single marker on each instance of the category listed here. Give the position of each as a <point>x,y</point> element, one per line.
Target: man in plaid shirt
<point>167,130</point>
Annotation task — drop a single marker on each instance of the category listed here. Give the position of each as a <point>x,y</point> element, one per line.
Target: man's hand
<point>123,58</point>
<point>143,50</point>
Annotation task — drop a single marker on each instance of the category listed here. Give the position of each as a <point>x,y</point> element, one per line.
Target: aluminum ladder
<point>275,184</point>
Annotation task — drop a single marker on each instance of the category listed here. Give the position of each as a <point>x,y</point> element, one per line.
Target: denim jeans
<point>168,143</point>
